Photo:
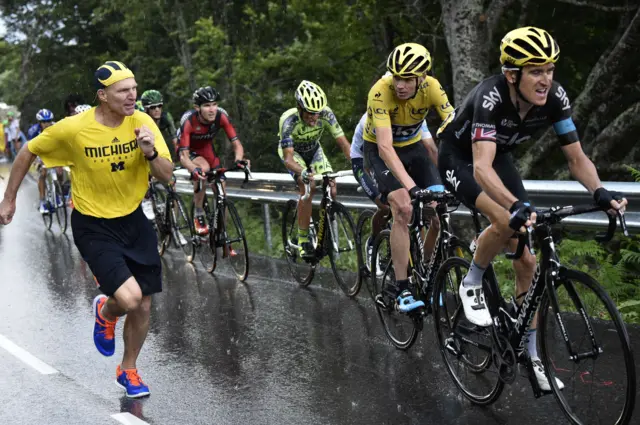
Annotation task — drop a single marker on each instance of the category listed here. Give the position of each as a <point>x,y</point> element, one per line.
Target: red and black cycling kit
<point>197,137</point>
<point>487,114</point>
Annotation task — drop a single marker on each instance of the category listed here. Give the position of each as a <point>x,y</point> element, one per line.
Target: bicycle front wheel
<point>182,225</point>
<point>342,250</point>
<point>60,207</point>
<point>466,349</point>
<point>234,242</point>
<point>301,270</point>
<point>401,329</point>
<point>363,235</point>
<point>160,225</point>
<point>581,311</point>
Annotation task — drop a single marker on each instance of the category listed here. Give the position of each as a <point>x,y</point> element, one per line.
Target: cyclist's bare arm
<point>238,150</point>
<point>345,146</point>
<point>390,157</point>
<point>484,153</point>
<point>186,161</point>
<point>432,149</point>
<point>290,162</point>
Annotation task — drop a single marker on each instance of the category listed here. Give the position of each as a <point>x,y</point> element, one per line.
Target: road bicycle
<point>402,329</point>
<point>338,243</point>
<point>226,233</point>
<point>578,323</point>
<point>54,201</point>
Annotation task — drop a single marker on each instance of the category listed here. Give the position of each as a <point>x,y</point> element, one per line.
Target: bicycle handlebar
<point>551,216</point>
<point>214,174</point>
<point>318,177</point>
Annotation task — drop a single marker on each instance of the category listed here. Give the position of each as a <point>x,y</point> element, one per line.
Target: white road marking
<point>127,418</point>
<point>26,357</point>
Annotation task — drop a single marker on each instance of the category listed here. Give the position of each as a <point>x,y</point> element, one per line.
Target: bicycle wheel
<point>301,270</point>
<point>205,245</point>
<point>47,217</point>
<point>363,234</point>
<point>343,253</point>
<point>60,207</point>
<point>587,316</point>
<point>466,349</point>
<point>182,224</point>
<point>160,225</point>
<point>234,242</point>
<point>401,329</point>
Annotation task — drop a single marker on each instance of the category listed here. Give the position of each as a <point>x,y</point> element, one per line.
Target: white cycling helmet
<point>82,108</point>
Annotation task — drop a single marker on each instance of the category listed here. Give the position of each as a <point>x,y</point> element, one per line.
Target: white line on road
<point>127,418</point>
<point>26,357</point>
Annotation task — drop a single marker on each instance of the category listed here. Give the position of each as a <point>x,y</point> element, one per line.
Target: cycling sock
<point>303,235</point>
<point>198,211</point>
<point>532,347</point>
<point>401,285</point>
<point>473,279</point>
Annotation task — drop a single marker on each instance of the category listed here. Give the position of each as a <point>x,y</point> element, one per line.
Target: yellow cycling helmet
<point>409,60</point>
<point>528,46</point>
<point>310,97</point>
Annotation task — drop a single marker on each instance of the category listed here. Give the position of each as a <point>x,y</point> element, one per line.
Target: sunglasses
<point>150,107</point>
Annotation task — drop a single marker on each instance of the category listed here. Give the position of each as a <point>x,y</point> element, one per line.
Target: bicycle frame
<point>325,205</point>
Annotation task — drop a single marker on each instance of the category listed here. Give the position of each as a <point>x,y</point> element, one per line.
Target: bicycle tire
<point>382,249</point>
<point>205,245</point>
<point>301,270</point>
<point>184,228</point>
<point>363,219</point>
<point>47,217</point>
<point>448,345</point>
<point>599,406</point>
<point>340,215</point>
<point>240,267</point>
<point>158,204</point>
<point>61,211</point>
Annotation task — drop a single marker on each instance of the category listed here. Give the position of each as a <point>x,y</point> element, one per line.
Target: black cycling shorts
<point>362,176</point>
<point>456,171</point>
<point>117,248</point>
<point>415,159</point>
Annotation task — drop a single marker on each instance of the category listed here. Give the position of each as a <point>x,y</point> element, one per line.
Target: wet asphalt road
<point>218,351</point>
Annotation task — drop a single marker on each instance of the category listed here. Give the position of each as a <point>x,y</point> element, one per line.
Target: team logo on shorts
<point>453,180</point>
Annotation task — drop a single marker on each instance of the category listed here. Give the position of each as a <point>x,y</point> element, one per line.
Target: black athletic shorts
<point>456,171</point>
<point>117,248</point>
<point>415,159</point>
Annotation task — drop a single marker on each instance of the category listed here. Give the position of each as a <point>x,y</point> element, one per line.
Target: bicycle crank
<point>504,358</point>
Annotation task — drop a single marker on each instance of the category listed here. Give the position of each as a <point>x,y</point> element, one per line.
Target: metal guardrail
<point>279,188</point>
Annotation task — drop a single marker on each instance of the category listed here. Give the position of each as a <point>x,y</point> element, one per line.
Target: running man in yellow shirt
<point>110,149</point>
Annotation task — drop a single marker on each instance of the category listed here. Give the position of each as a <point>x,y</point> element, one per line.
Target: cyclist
<point>301,129</point>
<point>195,146</point>
<point>70,104</point>
<point>152,102</point>
<point>363,176</point>
<point>497,115</point>
<point>111,153</point>
<point>45,119</point>
<point>396,109</point>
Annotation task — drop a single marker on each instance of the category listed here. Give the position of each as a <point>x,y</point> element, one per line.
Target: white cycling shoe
<point>474,306</point>
<point>541,376</point>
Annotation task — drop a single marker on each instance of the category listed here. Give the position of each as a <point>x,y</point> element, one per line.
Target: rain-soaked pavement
<point>218,351</point>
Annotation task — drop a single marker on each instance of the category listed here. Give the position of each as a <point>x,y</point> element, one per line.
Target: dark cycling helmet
<point>44,115</point>
<point>151,98</point>
<point>205,95</point>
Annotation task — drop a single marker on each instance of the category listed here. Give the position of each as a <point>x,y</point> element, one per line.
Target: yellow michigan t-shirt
<point>109,173</point>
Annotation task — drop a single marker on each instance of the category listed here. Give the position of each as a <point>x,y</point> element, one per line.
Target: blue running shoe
<point>104,332</point>
<point>130,381</point>
<point>407,303</point>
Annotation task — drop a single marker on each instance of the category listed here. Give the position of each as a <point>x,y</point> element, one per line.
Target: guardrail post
<point>267,225</point>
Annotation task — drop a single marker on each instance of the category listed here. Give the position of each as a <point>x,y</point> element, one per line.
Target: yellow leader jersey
<point>404,117</point>
<point>109,173</point>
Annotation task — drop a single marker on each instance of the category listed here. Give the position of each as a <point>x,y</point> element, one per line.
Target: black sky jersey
<point>488,114</point>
